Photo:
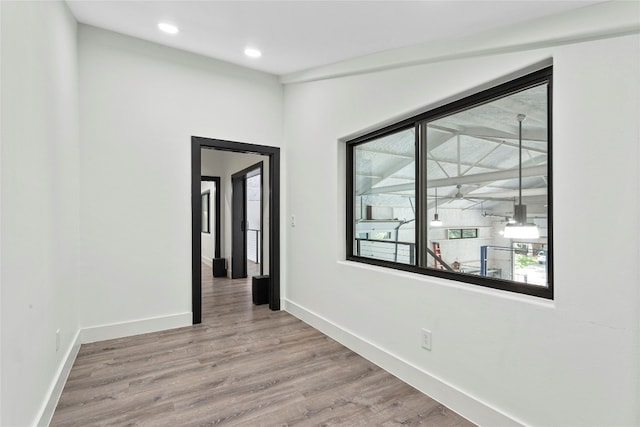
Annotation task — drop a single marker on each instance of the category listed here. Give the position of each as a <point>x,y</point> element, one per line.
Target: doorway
<point>255,219</point>
<point>238,226</point>
<point>273,154</point>
<point>210,237</point>
<point>247,218</point>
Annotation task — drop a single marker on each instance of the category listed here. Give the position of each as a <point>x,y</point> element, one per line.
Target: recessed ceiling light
<point>168,28</point>
<point>252,53</point>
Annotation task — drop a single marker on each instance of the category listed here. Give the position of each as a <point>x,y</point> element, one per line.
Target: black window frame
<point>542,76</point>
<point>462,230</point>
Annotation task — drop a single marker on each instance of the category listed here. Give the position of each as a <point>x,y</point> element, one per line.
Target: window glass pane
<point>455,233</point>
<point>469,233</point>
<point>384,198</point>
<point>483,178</point>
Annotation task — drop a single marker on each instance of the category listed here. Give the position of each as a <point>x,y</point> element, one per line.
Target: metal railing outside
<point>388,250</point>
<point>253,247</point>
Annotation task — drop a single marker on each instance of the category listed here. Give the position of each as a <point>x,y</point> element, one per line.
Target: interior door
<point>239,227</point>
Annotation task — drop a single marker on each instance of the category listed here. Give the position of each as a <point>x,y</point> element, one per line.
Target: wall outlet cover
<point>426,339</point>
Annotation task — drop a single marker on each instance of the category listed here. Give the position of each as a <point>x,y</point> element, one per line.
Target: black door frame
<point>197,143</point>
<point>216,180</point>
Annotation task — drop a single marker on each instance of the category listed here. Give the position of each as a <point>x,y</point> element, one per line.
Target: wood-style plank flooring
<point>244,365</point>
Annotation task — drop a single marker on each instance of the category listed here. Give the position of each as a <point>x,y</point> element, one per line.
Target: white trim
<point>60,379</point>
<point>100,333</point>
<point>538,302</point>
<point>464,404</point>
<point>207,261</point>
<point>135,327</point>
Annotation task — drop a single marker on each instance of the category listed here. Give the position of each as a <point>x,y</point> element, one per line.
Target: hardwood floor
<point>244,365</point>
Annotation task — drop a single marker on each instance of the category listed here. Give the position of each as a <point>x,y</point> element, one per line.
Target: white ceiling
<point>296,35</point>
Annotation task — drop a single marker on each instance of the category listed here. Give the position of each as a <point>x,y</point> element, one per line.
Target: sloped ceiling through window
<point>472,159</point>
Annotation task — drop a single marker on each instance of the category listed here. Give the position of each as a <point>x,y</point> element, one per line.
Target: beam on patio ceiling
<point>466,179</point>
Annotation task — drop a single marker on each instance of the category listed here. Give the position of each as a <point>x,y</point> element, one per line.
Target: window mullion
<point>421,195</point>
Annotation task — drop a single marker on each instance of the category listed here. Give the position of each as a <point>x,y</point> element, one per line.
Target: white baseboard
<point>207,261</point>
<point>49,406</point>
<point>459,401</point>
<point>135,327</point>
<point>99,333</point>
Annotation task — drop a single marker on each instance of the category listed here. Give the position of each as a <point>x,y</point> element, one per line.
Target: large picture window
<point>461,191</point>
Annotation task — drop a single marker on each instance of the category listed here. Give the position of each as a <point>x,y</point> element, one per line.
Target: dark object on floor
<point>260,289</point>
<point>219,267</point>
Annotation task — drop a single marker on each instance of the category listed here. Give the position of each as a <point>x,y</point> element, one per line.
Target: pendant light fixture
<point>435,222</point>
<point>520,229</point>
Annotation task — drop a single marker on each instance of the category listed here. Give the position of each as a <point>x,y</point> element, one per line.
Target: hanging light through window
<point>435,222</point>
<point>520,229</point>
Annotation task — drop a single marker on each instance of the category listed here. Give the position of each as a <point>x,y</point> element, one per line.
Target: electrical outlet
<point>57,339</point>
<point>426,339</point>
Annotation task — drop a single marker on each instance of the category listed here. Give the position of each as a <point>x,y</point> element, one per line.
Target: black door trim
<point>216,180</point>
<point>197,143</point>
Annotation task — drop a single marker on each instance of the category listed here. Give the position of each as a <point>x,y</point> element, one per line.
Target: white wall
<point>572,361</point>
<point>224,164</point>
<point>497,357</point>
<point>140,104</point>
<point>40,205</point>
<point>208,240</point>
